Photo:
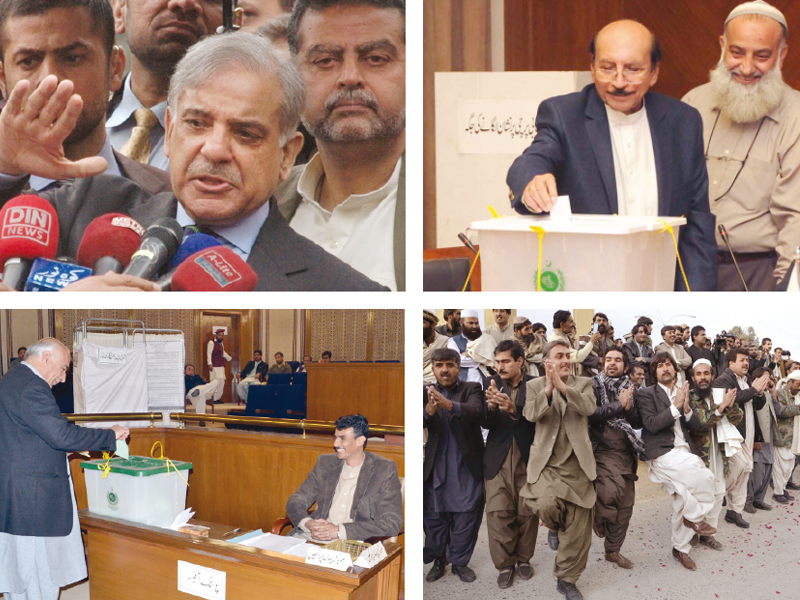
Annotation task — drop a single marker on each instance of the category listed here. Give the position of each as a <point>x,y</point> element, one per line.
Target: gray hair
<point>552,344</point>
<point>252,52</point>
<point>44,345</point>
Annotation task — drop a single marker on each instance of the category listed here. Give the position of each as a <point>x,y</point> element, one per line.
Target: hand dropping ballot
<point>123,450</point>
<point>562,209</point>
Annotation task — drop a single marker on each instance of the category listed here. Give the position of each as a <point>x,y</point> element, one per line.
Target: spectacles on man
<point>632,75</point>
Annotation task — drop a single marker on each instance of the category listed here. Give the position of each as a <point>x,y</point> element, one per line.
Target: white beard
<point>747,103</point>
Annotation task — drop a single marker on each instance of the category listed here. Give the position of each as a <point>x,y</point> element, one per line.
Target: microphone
<point>28,230</point>
<point>108,243</point>
<point>159,244</point>
<point>54,275</point>
<point>191,245</point>
<point>723,233</point>
<point>465,240</point>
<point>216,269</point>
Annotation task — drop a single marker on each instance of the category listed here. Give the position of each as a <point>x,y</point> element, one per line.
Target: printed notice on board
<point>201,581</point>
<point>495,126</point>
<point>165,362</point>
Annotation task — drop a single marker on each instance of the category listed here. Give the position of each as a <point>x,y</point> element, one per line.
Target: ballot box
<point>582,253</point>
<point>139,489</point>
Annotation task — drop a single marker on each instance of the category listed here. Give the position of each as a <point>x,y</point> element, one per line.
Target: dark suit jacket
<point>658,434</point>
<point>261,371</point>
<point>377,503</point>
<point>728,381</point>
<point>289,199</point>
<point>282,259</point>
<point>573,142</point>
<point>34,438</point>
<point>151,179</point>
<point>466,428</point>
<point>502,429</point>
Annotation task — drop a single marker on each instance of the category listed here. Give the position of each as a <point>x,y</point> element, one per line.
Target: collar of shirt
<point>241,236</point>
<point>32,368</point>
<point>742,381</point>
<point>130,104</point>
<point>670,394</point>
<point>619,118</point>
<point>40,183</point>
<point>309,180</point>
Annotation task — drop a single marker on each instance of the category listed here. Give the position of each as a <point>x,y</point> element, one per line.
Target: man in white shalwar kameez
<point>475,347</point>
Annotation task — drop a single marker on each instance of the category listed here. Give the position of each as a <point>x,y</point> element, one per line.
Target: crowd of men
<point>204,129</point>
<point>726,155</point>
<point>527,427</point>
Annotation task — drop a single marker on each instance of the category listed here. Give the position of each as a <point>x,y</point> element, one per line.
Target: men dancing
<point>616,451</point>
<point>511,525</point>
<point>561,468</point>
<point>671,458</point>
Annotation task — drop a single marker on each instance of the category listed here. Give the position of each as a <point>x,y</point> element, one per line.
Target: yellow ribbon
<point>107,466</point>
<point>168,461</point>
<point>469,275</point>
<point>540,232</point>
<point>493,211</point>
<point>668,227</point>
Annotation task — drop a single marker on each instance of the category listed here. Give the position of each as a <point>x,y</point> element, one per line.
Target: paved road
<point>755,564</point>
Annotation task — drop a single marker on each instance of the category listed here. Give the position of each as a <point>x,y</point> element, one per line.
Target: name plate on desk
<point>371,556</point>
<point>201,581</point>
<point>330,559</point>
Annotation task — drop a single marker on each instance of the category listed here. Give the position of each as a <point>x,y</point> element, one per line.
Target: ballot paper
<point>182,519</point>
<point>371,556</point>
<point>562,209</point>
<point>331,559</point>
<point>122,449</point>
<point>275,543</point>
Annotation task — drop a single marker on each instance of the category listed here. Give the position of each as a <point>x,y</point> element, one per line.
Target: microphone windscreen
<point>28,229</point>
<point>216,269</point>
<point>113,235</point>
<point>192,245</point>
<point>53,276</point>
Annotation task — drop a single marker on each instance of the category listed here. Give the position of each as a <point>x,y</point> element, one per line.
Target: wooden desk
<point>130,560</point>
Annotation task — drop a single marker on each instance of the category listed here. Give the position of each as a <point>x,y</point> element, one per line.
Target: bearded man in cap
<point>216,357</point>
<point>751,123</point>
<point>786,404</point>
<point>475,347</point>
<point>431,340</point>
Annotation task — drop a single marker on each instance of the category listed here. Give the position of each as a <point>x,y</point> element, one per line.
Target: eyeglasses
<point>633,75</point>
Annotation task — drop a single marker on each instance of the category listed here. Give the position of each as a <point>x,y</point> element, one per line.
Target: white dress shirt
<point>359,231</point>
<point>121,122</point>
<point>634,163</point>
<point>680,442</point>
<point>240,236</point>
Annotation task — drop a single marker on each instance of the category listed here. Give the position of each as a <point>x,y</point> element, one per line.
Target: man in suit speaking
<point>40,539</point>
<point>617,148</point>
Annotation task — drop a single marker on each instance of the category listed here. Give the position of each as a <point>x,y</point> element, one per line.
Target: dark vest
<point>461,342</point>
<point>217,360</point>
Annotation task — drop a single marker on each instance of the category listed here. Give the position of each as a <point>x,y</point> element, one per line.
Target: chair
<point>445,274</point>
<point>279,379</point>
<point>300,379</point>
<point>261,401</point>
<point>280,524</point>
<point>295,364</point>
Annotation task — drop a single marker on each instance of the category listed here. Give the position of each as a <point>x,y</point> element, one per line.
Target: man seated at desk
<point>357,493</point>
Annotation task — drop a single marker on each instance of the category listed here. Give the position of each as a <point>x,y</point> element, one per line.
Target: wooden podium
<point>130,560</point>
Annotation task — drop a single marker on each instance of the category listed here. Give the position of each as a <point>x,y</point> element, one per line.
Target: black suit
<point>261,372</point>
<point>658,434</point>
<point>728,381</point>
<point>282,259</point>
<point>34,437</point>
<point>502,428</point>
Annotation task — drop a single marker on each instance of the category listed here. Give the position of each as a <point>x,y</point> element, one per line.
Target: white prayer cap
<point>468,312</point>
<point>758,7</point>
<point>794,375</point>
<point>702,361</point>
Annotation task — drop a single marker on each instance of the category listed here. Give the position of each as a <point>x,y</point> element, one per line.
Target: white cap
<point>468,312</point>
<point>758,7</point>
<point>702,361</point>
<point>794,375</point>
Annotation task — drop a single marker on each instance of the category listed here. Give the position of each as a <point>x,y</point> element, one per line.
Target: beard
<point>747,103</point>
<point>703,392</point>
<point>528,339</point>
<point>472,335</point>
<point>377,124</point>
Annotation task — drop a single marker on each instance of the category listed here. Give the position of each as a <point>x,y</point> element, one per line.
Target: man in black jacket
<point>616,452</point>
<point>39,519</point>
<point>452,491</point>
<point>671,456</point>
<point>254,370</point>
<point>750,398</point>
<point>511,524</point>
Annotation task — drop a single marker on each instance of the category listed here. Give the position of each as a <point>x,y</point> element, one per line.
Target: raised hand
<point>33,127</point>
<point>626,398</point>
